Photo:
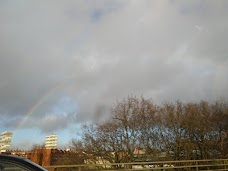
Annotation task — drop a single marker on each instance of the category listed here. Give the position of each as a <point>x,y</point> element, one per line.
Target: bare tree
<point>38,146</point>
<point>171,129</point>
<point>181,130</point>
<point>219,121</point>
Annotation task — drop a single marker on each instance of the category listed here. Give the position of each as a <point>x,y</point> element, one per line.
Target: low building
<point>40,156</point>
<point>48,157</point>
<point>18,152</point>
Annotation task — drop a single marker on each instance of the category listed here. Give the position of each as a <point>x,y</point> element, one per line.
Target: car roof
<point>7,156</point>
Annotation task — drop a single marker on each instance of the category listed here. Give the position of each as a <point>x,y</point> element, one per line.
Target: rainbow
<point>37,105</point>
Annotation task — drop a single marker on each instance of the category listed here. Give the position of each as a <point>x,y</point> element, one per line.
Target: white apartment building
<point>5,140</point>
<point>51,141</point>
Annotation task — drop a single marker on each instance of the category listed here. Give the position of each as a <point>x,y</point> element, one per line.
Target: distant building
<point>18,152</point>
<point>5,140</point>
<point>138,151</point>
<point>51,141</point>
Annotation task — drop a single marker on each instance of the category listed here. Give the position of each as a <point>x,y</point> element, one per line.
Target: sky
<point>65,63</point>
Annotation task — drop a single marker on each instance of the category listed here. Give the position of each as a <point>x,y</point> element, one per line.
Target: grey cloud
<point>98,52</point>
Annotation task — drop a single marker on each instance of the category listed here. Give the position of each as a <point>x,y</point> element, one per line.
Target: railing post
<point>197,166</point>
<point>224,162</point>
<point>79,168</point>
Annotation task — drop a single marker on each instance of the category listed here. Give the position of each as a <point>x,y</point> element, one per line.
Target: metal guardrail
<point>188,165</point>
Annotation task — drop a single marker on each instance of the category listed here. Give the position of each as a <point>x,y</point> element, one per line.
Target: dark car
<point>16,163</point>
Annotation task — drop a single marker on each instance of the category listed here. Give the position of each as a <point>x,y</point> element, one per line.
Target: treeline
<point>176,130</point>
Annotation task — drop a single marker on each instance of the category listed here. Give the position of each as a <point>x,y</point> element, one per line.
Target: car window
<point>6,165</point>
<point>34,164</point>
<point>1,168</point>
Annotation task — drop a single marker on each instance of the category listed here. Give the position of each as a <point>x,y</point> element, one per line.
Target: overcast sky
<point>63,63</point>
